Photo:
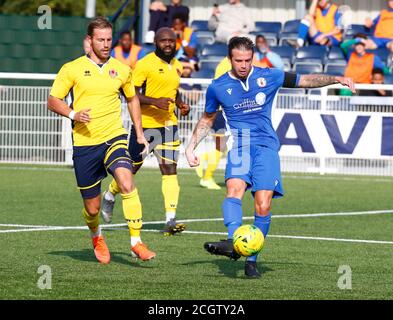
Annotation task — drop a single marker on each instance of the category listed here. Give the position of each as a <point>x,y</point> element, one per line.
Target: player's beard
<point>100,55</point>
<point>165,56</point>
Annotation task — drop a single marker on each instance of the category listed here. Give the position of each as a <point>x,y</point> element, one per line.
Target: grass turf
<point>293,268</point>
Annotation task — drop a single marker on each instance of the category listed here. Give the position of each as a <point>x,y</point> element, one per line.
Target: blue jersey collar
<point>245,86</point>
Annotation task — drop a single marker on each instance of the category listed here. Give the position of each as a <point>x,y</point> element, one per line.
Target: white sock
<point>135,240</point>
<point>109,196</point>
<point>300,42</point>
<point>97,233</point>
<point>170,215</point>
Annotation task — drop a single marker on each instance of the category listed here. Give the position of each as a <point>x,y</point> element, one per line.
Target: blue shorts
<point>334,41</point>
<point>91,164</point>
<point>381,42</point>
<point>164,142</point>
<point>258,166</point>
<point>219,125</point>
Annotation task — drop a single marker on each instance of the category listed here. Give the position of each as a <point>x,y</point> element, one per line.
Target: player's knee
<point>262,209</point>
<point>92,209</point>
<point>92,206</point>
<point>235,192</point>
<point>126,186</point>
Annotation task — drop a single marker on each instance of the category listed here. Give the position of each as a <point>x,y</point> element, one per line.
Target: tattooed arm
<point>321,80</point>
<point>201,130</point>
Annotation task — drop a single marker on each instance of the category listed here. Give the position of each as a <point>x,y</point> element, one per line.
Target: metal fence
<point>31,134</point>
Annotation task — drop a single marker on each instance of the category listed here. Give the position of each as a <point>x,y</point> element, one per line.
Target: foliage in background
<point>63,7</point>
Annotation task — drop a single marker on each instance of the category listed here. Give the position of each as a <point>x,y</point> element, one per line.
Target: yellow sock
<point>204,157</point>
<point>114,188</point>
<point>132,210</point>
<point>170,191</point>
<point>214,160</point>
<point>92,222</point>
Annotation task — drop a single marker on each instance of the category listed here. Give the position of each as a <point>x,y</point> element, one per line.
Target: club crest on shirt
<point>113,73</point>
<point>260,98</point>
<point>261,82</point>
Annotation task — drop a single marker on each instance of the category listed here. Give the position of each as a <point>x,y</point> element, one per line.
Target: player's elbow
<point>50,103</point>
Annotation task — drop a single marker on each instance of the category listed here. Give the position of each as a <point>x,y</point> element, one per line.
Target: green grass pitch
<point>293,268</point>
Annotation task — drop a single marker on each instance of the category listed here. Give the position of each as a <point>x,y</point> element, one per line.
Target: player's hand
<point>347,82</point>
<point>163,103</point>
<point>184,108</point>
<point>82,116</point>
<point>192,159</point>
<point>142,140</point>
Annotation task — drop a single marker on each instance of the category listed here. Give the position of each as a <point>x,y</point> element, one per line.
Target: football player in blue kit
<point>246,94</point>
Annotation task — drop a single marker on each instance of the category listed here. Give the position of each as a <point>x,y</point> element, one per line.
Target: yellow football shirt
<point>158,79</point>
<point>223,67</point>
<point>96,88</point>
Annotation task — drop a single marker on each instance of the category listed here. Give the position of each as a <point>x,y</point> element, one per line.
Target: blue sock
<point>232,212</point>
<point>263,223</point>
<point>303,31</point>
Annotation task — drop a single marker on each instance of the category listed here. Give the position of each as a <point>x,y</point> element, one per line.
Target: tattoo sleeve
<point>202,129</point>
<point>316,80</point>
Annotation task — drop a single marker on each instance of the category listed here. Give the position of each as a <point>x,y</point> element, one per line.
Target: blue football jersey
<point>247,105</point>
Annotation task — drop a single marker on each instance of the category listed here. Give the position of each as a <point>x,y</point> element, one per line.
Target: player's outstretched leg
<point>232,211</point>
<point>101,250</point>
<point>108,201</point>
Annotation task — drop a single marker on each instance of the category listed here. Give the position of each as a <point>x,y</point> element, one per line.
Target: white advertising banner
<point>332,134</point>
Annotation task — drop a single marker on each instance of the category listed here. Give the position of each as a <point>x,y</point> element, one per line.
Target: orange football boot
<point>141,251</point>
<point>101,250</point>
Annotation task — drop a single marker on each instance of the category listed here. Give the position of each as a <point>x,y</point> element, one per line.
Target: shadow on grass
<point>230,268</point>
<point>87,255</point>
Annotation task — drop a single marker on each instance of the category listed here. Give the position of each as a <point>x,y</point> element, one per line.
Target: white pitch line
<point>212,233</point>
<point>278,216</point>
<point>22,226</point>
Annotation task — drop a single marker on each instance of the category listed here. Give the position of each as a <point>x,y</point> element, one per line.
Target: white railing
<point>29,133</point>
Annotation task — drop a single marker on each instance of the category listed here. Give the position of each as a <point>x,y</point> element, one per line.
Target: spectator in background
<point>162,16</point>
<point>229,20</point>
<point>378,77</point>
<point>321,25</point>
<point>360,62</point>
<point>264,57</point>
<point>186,42</point>
<point>191,93</point>
<point>383,34</point>
<point>126,51</point>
